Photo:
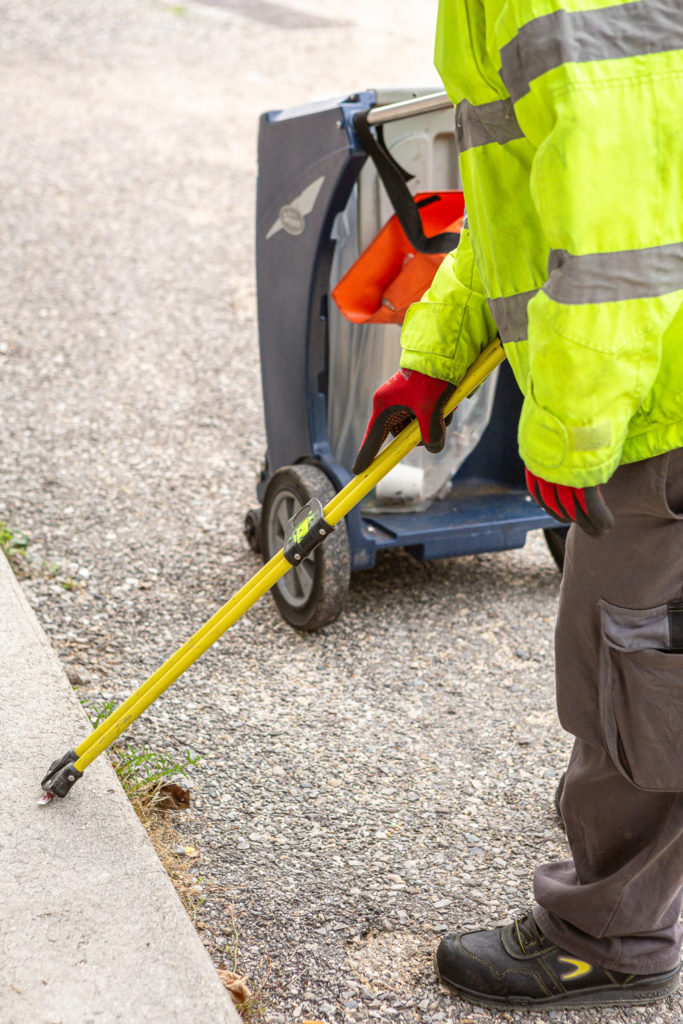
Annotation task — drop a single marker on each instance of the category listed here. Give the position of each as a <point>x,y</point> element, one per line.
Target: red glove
<point>405,395</point>
<point>581,505</point>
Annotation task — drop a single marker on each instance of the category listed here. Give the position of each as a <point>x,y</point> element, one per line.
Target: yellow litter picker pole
<point>308,529</point>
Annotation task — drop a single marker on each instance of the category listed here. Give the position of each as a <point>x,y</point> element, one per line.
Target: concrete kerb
<point>93,930</point>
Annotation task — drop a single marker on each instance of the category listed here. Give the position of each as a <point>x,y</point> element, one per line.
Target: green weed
<point>98,712</point>
<point>14,543</point>
<point>143,774</point>
<point>142,771</point>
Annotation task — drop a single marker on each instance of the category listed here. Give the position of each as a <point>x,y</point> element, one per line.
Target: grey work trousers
<point>619,674</point>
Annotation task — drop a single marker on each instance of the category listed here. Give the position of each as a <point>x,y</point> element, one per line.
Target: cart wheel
<point>313,594</point>
<point>556,541</point>
<point>252,529</point>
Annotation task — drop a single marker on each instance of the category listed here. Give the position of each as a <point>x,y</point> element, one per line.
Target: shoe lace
<point>528,933</point>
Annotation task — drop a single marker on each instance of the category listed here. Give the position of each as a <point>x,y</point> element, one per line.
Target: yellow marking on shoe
<point>581,968</point>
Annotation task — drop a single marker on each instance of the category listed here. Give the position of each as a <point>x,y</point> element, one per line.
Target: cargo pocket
<point>641,693</point>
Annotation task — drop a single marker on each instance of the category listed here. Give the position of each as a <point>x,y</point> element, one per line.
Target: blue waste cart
<point>320,199</point>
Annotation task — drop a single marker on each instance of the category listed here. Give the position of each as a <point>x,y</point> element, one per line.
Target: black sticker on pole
<point>306,530</point>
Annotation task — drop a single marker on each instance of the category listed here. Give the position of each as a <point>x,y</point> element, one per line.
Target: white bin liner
<point>363,356</point>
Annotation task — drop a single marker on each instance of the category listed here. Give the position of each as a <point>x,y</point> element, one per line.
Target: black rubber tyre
<point>556,541</point>
<point>313,594</point>
<point>252,529</point>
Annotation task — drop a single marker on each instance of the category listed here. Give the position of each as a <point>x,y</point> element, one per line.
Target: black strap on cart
<point>395,178</point>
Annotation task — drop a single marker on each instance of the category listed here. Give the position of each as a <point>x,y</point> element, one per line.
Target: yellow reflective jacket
<point>570,127</point>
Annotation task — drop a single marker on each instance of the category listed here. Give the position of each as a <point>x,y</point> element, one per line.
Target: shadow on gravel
<point>482,575</point>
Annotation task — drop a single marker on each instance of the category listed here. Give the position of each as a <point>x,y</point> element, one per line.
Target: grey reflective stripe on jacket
<point>594,278</point>
<point>486,123</point>
<point>511,316</point>
<point>614,276</point>
<point>482,125</point>
<point>606,33</point>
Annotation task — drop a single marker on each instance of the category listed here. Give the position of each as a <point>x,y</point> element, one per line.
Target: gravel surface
<point>360,791</point>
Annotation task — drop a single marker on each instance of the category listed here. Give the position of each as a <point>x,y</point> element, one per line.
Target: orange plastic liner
<point>390,275</point>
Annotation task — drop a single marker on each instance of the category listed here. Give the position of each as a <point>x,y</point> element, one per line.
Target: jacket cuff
<point>443,339</point>
<point>572,455</point>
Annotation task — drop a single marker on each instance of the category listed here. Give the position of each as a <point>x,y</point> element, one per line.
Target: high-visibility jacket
<point>570,126</point>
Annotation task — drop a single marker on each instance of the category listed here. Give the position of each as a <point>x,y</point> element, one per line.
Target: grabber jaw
<point>62,775</point>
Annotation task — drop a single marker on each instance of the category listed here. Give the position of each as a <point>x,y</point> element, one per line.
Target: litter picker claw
<point>307,529</point>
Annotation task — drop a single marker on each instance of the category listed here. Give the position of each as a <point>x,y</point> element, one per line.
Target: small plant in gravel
<point>144,773</point>
<point>146,778</point>
<point>14,544</point>
<point>66,583</point>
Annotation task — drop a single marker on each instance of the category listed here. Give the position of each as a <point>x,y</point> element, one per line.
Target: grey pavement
<point>362,790</point>
<point>93,929</point>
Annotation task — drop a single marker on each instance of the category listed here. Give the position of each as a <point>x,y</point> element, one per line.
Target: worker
<point>568,123</point>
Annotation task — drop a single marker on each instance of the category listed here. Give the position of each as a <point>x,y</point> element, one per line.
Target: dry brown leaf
<point>173,797</point>
<point>236,986</point>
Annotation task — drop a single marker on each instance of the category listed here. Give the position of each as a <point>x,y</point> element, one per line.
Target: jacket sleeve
<point>445,332</point>
<point>610,210</point>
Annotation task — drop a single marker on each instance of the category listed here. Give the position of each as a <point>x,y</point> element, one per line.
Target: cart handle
<point>409,108</point>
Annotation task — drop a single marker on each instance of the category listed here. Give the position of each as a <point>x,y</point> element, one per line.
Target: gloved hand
<point>581,505</point>
<point>405,395</point>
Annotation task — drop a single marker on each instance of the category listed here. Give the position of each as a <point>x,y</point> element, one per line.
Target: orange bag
<point>390,274</point>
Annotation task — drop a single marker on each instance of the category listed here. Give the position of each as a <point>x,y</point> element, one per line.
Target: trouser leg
<point>619,673</point>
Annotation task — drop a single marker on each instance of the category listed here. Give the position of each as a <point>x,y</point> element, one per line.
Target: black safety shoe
<point>516,965</point>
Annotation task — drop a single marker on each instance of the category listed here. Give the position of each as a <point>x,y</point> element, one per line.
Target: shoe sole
<point>567,1000</point>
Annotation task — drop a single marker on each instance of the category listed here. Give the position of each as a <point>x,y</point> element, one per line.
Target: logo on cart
<point>292,217</point>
